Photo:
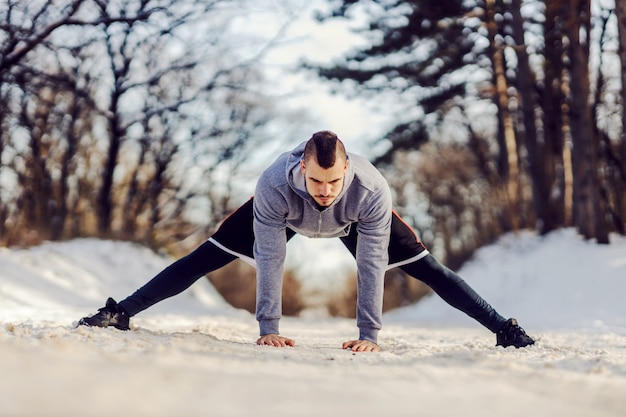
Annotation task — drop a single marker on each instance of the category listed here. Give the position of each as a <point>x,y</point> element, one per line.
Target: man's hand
<point>361,346</point>
<point>275,340</point>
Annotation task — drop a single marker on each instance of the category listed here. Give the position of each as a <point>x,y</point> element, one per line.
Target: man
<point>320,191</point>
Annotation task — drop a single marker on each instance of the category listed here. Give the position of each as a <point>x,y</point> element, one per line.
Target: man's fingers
<point>361,346</point>
<point>354,345</point>
<point>275,341</point>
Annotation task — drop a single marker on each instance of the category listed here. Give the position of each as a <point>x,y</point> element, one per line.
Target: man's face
<point>324,185</point>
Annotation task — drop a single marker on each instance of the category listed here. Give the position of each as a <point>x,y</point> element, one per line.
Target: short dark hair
<point>324,146</point>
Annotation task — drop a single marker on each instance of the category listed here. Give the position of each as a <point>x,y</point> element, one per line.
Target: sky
<point>194,355</point>
<point>299,38</point>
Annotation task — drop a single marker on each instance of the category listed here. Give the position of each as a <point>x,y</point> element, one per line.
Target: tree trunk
<point>538,159</point>
<point>508,163</point>
<point>120,68</point>
<point>590,216</point>
<point>105,194</point>
<point>552,100</point>
<point>620,11</point>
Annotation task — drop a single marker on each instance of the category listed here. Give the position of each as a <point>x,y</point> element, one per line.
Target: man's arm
<point>269,226</point>
<point>372,259</point>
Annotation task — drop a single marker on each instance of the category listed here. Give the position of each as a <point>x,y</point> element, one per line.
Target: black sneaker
<point>109,315</point>
<point>512,335</point>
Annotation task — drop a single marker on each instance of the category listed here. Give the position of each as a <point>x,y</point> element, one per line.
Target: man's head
<point>324,166</point>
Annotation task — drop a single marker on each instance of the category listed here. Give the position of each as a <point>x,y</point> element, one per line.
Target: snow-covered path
<point>194,355</point>
<point>213,368</point>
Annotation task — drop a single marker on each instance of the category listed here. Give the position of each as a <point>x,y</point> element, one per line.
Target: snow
<point>195,355</point>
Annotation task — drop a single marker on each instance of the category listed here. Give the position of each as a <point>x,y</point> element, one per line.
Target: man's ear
<point>302,167</point>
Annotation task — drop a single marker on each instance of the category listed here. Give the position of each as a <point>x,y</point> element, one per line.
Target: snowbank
<point>557,281</point>
<point>194,355</point>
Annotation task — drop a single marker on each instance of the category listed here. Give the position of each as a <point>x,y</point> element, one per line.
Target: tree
<point>550,144</point>
<point>116,120</point>
<point>589,215</point>
<point>134,41</point>
<point>419,49</point>
<point>27,26</point>
<point>24,27</point>
<point>442,59</point>
<point>551,98</point>
<point>52,118</point>
<point>620,11</point>
<point>539,158</point>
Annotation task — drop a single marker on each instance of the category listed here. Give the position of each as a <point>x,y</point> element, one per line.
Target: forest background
<point>149,120</point>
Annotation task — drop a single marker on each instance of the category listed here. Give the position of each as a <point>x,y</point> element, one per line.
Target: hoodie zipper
<point>319,219</point>
<point>319,225</point>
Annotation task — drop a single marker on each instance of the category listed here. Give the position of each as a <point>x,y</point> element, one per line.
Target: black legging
<point>177,277</point>
<point>237,235</point>
<point>207,258</point>
<point>455,291</point>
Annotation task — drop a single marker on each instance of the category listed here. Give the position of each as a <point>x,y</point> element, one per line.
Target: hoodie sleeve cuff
<point>268,326</point>
<point>370,334</point>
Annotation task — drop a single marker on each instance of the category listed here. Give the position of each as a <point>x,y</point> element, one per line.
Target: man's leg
<point>177,277</point>
<point>234,238</point>
<point>420,264</point>
<point>171,281</point>
<point>408,253</point>
<point>455,291</point>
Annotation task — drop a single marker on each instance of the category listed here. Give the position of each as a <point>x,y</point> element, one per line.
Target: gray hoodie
<point>281,201</point>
